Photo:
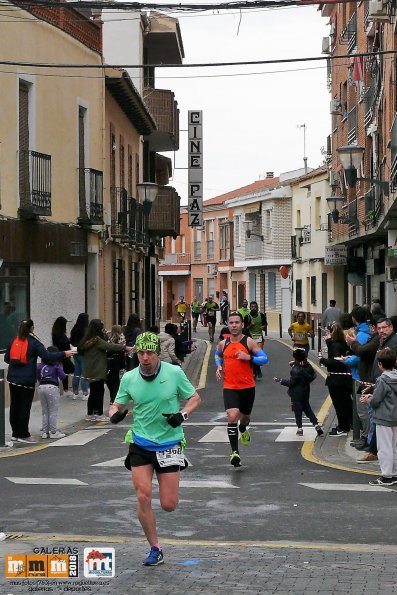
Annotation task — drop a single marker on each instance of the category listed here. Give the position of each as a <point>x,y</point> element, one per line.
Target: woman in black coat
<point>339,385</point>
<point>61,341</point>
<point>22,376</point>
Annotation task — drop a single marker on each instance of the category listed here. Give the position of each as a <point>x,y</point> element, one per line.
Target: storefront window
<point>14,300</point>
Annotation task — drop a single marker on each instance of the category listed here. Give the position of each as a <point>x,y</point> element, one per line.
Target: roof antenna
<point>304,145</point>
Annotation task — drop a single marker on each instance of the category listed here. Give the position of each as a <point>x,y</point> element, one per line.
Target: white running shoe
<point>45,435</point>
<point>102,418</point>
<point>90,418</point>
<point>56,435</point>
<point>84,397</point>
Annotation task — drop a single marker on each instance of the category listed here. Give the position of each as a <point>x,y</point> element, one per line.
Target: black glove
<point>174,419</point>
<point>118,416</point>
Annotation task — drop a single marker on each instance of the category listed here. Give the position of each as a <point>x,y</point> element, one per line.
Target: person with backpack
<point>21,356</point>
<point>234,358</point>
<point>49,374</point>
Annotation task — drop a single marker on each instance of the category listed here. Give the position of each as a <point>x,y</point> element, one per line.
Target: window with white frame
<point>237,230</point>
<point>268,231</point>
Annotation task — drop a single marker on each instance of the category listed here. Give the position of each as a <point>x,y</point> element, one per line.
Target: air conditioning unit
<point>377,11</point>
<point>326,46</point>
<point>336,107</point>
<point>212,269</point>
<point>334,179</point>
<point>391,274</point>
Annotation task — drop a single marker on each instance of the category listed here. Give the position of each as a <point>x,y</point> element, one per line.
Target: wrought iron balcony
<point>137,233</point>
<point>352,126</point>
<point>34,184</point>
<point>119,213</point>
<point>90,196</point>
<point>164,217</point>
<point>164,109</point>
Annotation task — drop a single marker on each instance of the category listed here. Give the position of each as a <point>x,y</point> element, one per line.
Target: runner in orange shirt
<point>234,358</point>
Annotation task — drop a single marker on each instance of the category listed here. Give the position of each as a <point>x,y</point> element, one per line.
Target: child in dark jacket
<point>301,375</point>
<point>49,374</point>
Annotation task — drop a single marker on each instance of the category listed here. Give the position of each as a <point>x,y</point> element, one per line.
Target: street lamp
<point>334,205</point>
<point>351,157</point>
<point>249,232</point>
<point>147,192</point>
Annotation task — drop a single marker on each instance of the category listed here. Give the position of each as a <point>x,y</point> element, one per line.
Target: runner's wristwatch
<point>184,415</point>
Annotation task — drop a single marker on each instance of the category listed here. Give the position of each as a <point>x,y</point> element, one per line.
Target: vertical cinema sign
<point>195,169</point>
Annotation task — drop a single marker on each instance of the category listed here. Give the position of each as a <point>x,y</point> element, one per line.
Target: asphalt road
<point>267,499</point>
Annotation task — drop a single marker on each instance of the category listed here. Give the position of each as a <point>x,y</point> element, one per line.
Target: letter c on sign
<point>283,271</point>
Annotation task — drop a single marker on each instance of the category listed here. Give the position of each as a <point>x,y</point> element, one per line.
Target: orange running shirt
<point>237,373</point>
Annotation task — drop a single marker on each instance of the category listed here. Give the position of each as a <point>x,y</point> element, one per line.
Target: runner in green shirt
<point>163,399</point>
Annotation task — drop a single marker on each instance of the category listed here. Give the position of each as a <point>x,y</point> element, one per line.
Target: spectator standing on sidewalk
<point>331,315</point>
<point>22,377</point>
<point>366,354</point>
<point>76,335</point>
<point>224,306</point>
<point>339,385</point>
<point>301,376</point>
<point>255,323</point>
<point>300,331</point>
<point>49,374</point>
<point>61,341</point>
<point>234,357</point>
<point>384,403</point>
<point>115,361</point>
<point>131,330</point>
<point>167,345</point>
<point>95,348</point>
<point>163,399</point>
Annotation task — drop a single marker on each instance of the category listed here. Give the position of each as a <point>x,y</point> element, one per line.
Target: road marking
<point>288,434</point>
<point>346,487</point>
<point>80,438</point>
<point>217,434</point>
<point>204,368</point>
<point>45,481</point>
<point>119,462</point>
<point>211,483</point>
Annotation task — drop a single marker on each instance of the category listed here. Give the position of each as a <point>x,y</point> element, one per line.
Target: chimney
<point>269,174</point>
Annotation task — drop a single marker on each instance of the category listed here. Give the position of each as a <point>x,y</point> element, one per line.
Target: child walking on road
<point>49,374</point>
<point>302,374</point>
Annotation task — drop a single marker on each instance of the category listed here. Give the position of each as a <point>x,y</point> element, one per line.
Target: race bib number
<point>300,336</point>
<point>171,456</point>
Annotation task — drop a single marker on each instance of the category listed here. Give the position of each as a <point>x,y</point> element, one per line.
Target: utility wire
<point>197,65</point>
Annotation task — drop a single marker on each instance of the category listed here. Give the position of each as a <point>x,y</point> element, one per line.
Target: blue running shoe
<point>154,558</point>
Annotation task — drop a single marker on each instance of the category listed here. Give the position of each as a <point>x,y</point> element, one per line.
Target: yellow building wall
<point>56,95</point>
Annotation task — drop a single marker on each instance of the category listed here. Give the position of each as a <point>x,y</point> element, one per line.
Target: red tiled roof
<point>254,187</point>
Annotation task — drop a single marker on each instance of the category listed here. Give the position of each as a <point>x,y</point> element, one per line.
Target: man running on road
<point>210,308</point>
<point>234,357</point>
<point>156,389</point>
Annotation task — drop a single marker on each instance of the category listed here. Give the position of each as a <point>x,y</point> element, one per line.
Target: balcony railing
<point>349,33</point>
<point>137,232</point>
<point>179,258</point>
<point>352,126</point>
<point>34,183</point>
<point>164,218</point>
<point>119,213</point>
<point>90,196</point>
<point>163,107</point>
<point>253,247</point>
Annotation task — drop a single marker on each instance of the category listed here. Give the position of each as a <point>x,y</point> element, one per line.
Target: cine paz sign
<point>195,168</point>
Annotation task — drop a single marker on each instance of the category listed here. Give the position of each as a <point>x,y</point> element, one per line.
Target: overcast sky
<point>250,121</point>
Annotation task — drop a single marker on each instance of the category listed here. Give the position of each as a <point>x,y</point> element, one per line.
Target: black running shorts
<point>212,320</point>
<point>138,457</point>
<point>242,399</point>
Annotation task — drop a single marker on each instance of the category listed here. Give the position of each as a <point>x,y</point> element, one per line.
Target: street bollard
<point>280,325</point>
<point>313,333</point>
<point>2,410</point>
<point>356,419</point>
